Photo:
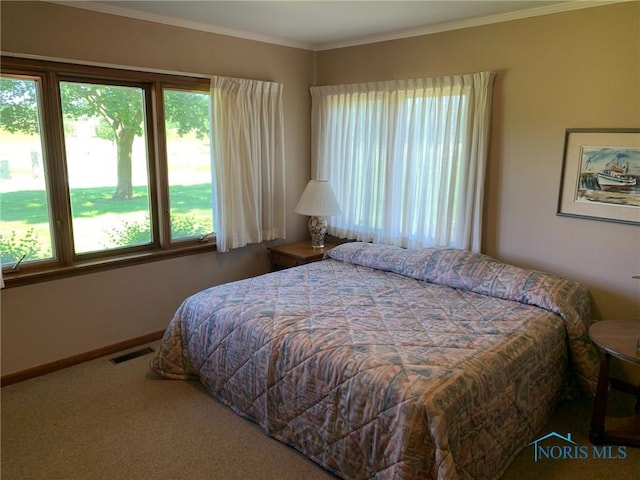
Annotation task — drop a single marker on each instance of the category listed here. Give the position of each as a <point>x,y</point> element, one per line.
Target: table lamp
<point>318,201</point>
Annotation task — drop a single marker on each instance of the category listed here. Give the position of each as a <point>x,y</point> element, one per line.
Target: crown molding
<point>474,22</point>
<point>176,22</point>
<point>401,34</point>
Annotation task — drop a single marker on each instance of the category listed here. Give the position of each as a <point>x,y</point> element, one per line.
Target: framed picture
<point>600,176</point>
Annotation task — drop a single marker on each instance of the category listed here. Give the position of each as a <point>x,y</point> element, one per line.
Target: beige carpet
<point>104,421</point>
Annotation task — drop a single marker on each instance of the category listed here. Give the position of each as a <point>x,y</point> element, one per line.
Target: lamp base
<point>317,230</point>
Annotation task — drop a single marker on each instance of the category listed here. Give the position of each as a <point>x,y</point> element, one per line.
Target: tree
<point>120,109</point>
<point>19,106</point>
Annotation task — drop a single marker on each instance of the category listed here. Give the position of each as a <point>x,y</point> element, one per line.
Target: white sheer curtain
<point>405,158</point>
<point>248,161</point>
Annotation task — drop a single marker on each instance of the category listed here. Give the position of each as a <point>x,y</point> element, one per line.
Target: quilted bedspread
<point>386,363</point>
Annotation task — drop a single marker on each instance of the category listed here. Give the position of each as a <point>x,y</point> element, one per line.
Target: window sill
<point>28,277</point>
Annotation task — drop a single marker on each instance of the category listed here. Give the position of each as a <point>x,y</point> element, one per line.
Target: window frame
<point>66,261</point>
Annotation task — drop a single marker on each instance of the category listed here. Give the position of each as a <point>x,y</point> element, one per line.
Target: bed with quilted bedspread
<point>386,363</point>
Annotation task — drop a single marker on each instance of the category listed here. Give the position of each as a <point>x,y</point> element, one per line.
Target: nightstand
<point>295,254</point>
<point>615,338</point>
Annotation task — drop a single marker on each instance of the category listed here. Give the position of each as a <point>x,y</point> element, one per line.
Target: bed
<point>387,363</point>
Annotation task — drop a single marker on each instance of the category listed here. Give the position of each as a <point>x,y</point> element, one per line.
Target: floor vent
<point>131,355</point>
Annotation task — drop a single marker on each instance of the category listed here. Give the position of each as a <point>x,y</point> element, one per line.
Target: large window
<point>405,158</point>
<point>100,166</point>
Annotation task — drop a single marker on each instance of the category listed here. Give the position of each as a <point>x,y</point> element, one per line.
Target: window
<point>25,212</point>
<point>405,158</point>
<point>189,163</point>
<point>107,165</point>
<point>100,166</point>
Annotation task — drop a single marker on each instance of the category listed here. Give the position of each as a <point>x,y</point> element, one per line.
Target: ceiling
<point>320,25</point>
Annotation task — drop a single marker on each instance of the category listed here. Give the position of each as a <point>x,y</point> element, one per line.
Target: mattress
<point>380,362</point>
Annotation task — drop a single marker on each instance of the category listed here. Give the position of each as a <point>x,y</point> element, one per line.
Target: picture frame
<point>600,177</point>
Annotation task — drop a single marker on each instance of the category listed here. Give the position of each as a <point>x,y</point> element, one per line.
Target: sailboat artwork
<point>601,175</point>
<point>616,174</point>
<point>609,175</point>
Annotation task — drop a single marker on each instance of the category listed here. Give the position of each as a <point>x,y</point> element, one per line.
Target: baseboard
<point>76,359</point>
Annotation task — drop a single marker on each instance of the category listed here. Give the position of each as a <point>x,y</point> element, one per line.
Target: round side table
<point>615,338</point>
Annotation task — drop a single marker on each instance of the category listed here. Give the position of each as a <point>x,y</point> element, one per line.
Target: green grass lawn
<point>97,216</point>
<point>31,206</point>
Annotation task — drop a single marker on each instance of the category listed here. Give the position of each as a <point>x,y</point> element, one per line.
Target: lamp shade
<point>318,200</point>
